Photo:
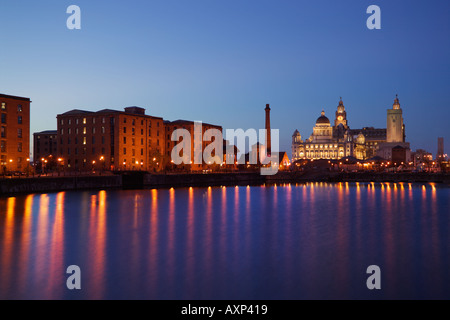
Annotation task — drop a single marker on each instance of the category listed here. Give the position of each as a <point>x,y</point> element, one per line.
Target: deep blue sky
<point>222,61</point>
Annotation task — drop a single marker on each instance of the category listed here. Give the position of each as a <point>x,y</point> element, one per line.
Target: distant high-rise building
<point>440,150</point>
<point>14,133</point>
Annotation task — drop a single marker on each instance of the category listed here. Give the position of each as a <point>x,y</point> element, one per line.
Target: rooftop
<point>47,132</point>
<point>14,97</point>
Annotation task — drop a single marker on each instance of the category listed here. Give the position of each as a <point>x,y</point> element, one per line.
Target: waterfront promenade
<point>142,180</point>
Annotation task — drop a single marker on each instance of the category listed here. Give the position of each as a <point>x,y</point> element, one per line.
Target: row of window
<point>3,107</point>
<point>84,121</point>
<point>3,119</point>
<point>69,140</point>
<point>133,122</point>
<point>38,150</point>
<point>133,152</point>
<point>4,160</point>
<point>326,146</point>
<point>69,130</point>
<point>133,141</point>
<point>3,146</point>
<point>3,132</point>
<point>83,151</point>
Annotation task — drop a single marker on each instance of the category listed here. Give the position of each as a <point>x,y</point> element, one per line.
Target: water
<point>312,241</point>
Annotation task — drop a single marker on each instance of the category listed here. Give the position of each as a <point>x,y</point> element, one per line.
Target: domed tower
<point>394,126</point>
<point>322,130</point>
<point>341,115</point>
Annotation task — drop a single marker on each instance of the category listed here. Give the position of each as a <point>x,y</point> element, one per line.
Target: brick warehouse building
<point>45,147</point>
<point>119,140</point>
<point>170,126</point>
<point>14,133</point>
<point>110,140</point>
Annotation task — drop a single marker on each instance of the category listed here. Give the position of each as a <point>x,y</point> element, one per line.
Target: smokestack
<point>268,139</point>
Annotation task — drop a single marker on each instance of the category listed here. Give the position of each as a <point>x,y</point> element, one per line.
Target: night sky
<point>221,61</point>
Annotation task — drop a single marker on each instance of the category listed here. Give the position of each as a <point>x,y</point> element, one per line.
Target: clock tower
<point>341,116</point>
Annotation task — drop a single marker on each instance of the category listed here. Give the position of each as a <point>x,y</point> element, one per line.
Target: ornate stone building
<point>339,140</point>
<point>396,135</point>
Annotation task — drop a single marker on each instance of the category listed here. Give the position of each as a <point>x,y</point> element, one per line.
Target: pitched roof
<point>76,111</point>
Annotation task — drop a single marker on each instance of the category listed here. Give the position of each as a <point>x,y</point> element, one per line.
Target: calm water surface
<point>273,242</point>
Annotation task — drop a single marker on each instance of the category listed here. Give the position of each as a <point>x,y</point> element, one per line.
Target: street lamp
<point>59,166</point>
<point>102,158</point>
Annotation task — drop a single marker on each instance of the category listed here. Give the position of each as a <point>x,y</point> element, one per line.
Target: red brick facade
<point>110,140</point>
<point>15,133</point>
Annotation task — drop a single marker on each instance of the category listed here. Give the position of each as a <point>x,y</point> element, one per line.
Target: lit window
<point>84,120</point>
<point>3,106</point>
<point>84,130</point>
<point>84,140</point>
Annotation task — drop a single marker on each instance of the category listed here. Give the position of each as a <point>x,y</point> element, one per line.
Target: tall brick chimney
<point>268,139</point>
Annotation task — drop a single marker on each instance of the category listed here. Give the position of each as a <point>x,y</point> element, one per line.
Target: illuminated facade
<point>15,133</point>
<point>110,140</point>
<point>396,136</point>
<point>337,141</point>
<point>171,126</point>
